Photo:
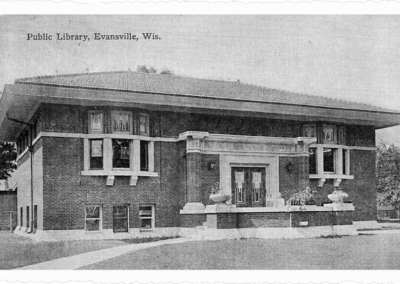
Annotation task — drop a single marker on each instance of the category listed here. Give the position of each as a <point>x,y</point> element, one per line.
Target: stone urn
<point>337,196</point>
<point>220,197</point>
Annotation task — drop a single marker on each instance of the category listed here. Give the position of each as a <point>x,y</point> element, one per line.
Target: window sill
<point>118,173</point>
<point>337,178</point>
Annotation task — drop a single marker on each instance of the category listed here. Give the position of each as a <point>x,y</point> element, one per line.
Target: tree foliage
<point>388,175</point>
<point>151,69</point>
<point>8,154</point>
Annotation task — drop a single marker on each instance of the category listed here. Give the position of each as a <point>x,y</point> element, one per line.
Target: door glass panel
<point>256,182</point>
<point>239,182</point>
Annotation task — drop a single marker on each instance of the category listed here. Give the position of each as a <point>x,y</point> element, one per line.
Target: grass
<point>355,252</point>
<point>16,251</point>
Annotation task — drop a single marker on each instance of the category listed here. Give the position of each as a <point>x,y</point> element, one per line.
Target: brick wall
<point>293,177</point>
<point>8,201</point>
<point>191,220</point>
<point>361,190</point>
<point>263,220</point>
<point>66,192</point>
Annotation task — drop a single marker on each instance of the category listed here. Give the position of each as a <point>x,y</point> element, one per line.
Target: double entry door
<point>248,186</point>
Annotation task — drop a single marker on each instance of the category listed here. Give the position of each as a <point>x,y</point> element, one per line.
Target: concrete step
<point>201,228</point>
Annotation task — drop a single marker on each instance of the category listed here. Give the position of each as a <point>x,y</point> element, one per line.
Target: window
<point>120,218</point>
<point>312,161</point>
<point>144,124</point>
<point>329,134</point>
<point>329,160</point>
<point>342,135</point>
<point>96,154</point>
<point>144,155</point>
<point>310,130</point>
<point>95,121</point>
<point>35,213</point>
<point>121,153</point>
<point>21,217</point>
<point>146,216</point>
<point>93,218</point>
<point>121,122</point>
<point>27,216</point>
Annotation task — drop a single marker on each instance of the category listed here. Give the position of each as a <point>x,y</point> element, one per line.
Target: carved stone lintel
<point>321,182</point>
<point>336,182</point>
<point>133,180</point>
<point>110,180</point>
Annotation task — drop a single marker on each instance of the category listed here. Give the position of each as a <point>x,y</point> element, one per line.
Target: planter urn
<point>220,197</point>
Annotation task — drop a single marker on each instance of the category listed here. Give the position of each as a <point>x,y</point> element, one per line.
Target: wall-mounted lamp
<point>289,167</point>
<point>211,166</point>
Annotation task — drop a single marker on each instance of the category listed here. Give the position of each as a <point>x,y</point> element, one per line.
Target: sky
<point>354,58</point>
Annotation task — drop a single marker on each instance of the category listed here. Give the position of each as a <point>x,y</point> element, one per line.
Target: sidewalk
<point>81,260</point>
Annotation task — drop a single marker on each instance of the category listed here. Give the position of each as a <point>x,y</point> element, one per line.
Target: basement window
<point>120,218</point>
<point>93,218</point>
<point>146,217</point>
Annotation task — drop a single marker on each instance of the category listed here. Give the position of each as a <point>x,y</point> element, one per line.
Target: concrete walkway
<point>81,260</point>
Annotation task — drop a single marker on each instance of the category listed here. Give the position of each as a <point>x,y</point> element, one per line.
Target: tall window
<point>93,218</point>
<point>27,216</point>
<point>121,122</point>
<point>95,121</point>
<point>21,217</point>
<point>144,155</point>
<point>312,162</point>
<point>96,154</point>
<point>329,160</point>
<point>144,124</point>
<point>121,153</point>
<point>146,216</point>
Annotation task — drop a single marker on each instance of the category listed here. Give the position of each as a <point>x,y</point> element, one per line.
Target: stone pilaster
<point>193,160</point>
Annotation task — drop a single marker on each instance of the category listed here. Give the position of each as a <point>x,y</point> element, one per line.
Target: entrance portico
<point>248,167</point>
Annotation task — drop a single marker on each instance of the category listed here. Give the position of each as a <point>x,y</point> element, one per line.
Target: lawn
<point>16,251</point>
<point>359,252</point>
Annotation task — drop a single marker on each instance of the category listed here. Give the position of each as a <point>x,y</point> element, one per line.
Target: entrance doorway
<point>248,186</point>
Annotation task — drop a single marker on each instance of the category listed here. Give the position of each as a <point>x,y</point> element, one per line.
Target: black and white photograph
<point>200,142</point>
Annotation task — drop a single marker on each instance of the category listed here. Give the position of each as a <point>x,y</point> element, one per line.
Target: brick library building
<point>133,155</point>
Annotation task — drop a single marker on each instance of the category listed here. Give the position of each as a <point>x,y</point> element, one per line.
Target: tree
<point>151,69</point>
<point>145,69</point>
<point>166,71</point>
<point>388,175</point>
<point>8,154</point>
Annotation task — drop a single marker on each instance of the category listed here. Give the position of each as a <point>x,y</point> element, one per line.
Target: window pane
<point>312,162</point>
<point>145,211</point>
<point>93,225</point>
<point>344,161</point>
<point>144,124</point>
<point>121,121</point>
<point>95,122</point>
<point>329,160</point>
<point>93,211</point>
<point>145,223</point>
<point>120,153</point>
<point>121,211</point>
<point>144,155</point>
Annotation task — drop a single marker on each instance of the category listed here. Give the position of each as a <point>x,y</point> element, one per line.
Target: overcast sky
<point>344,57</point>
